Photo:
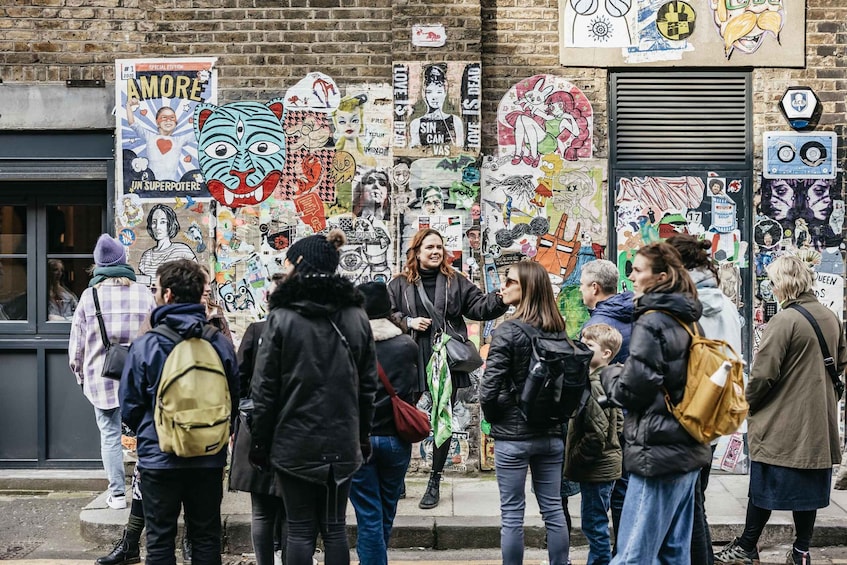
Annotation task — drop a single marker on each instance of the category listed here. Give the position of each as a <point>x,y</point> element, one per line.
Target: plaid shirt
<point>124,309</point>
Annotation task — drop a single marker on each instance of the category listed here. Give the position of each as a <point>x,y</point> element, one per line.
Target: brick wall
<point>266,45</point>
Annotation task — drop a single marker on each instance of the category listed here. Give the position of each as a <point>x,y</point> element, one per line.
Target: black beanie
<point>317,254</point>
<point>377,303</point>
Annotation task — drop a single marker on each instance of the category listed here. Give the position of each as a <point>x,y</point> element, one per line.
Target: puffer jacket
<point>615,311</point>
<point>459,298</point>
<point>505,373</point>
<point>593,452</point>
<point>655,444</point>
<point>398,355</point>
<point>313,402</point>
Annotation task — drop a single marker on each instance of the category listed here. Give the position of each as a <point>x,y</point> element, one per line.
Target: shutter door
<point>679,119</point>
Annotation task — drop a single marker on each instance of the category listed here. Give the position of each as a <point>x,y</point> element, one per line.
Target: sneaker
<point>734,554</point>
<point>797,557</point>
<point>116,502</point>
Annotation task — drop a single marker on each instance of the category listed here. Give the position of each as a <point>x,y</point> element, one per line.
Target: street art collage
<point>233,185</point>
<point>716,32</point>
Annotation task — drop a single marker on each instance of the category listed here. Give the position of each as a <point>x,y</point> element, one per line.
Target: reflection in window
<point>12,289</point>
<point>61,301</point>
<point>73,228</point>
<point>12,229</point>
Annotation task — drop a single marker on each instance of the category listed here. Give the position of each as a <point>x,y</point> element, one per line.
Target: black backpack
<point>557,384</point>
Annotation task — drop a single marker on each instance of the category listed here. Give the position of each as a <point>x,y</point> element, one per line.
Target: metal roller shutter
<point>675,120</point>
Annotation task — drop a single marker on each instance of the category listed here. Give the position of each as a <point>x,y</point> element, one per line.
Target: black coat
<point>505,373</point>
<point>242,475</point>
<point>655,444</point>
<point>398,355</point>
<point>314,397</point>
<point>459,298</point>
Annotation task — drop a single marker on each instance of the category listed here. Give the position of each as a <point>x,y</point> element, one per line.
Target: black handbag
<point>462,354</point>
<point>113,364</point>
<point>828,360</point>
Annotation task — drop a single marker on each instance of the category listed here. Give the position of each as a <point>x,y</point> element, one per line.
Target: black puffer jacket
<point>654,442</point>
<point>398,355</point>
<point>313,407</point>
<point>505,372</point>
<point>459,298</point>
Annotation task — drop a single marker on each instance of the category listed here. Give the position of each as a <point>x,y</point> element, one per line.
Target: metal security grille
<point>670,119</point>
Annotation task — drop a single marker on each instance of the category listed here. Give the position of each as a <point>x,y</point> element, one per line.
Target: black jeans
<point>313,508</point>
<point>268,517</point>
<point>200,492</point>
<point>701,538</point>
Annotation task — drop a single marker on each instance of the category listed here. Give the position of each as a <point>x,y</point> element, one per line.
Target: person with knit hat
<point>313,390</point>
<point>378,483</point>
<point>124,305</point>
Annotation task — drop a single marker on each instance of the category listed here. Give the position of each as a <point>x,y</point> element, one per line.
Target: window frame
<point>72,193</point>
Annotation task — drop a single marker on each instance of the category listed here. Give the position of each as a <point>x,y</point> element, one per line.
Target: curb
<point>104,526</point>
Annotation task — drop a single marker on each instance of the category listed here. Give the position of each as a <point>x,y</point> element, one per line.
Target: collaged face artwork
<point>744,24</point>
<point>242,150</point>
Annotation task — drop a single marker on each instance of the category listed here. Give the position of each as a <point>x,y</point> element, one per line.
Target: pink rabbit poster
<point>544,115</point>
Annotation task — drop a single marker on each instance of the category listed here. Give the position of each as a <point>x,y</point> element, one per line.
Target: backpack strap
<point>208,333</point>
<point>168,332</point>
<point>692,332</point>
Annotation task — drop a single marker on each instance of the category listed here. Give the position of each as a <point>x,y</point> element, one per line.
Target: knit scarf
<point>441,388</point>
<point>117,271</point>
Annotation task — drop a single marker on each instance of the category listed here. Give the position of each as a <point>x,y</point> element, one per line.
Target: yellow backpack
<point>707,410</point>
<point>193,405</point>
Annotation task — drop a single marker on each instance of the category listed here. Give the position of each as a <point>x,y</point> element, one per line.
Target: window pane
<point>12,289</point>
<point>66,278</point>
<point>73,228</point>
<point>12,229</point>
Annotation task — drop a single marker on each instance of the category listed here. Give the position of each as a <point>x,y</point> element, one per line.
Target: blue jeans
<point>656,520</point>
<point>111,451</point>
<point>543,455</point>
<point>374,494</point>
<point>596,498</point>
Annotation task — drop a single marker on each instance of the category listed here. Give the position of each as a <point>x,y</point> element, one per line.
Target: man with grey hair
<point>598,284</point>
<point>599,287</point>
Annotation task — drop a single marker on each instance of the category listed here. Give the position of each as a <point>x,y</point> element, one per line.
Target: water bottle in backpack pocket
<point>557,384</point>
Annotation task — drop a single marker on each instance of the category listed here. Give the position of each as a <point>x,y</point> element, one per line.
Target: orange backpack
<point>708,410</point>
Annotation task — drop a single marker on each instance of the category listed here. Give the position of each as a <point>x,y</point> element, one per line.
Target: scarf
<point>117,271</point>
<point>441,388</point>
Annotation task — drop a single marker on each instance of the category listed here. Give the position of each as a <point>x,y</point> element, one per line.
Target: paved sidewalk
<point>468,517</point>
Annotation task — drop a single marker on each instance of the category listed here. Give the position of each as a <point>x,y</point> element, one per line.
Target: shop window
<point>46,252</point>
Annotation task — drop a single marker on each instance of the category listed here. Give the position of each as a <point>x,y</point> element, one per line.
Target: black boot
<point>126,551</point>
<point>432,495</point>
<point>403,490</point>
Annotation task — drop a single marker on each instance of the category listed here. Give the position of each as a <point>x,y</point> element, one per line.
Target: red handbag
<point>412,424</point>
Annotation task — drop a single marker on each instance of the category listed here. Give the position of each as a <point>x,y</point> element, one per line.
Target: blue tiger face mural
<point>242,150</point>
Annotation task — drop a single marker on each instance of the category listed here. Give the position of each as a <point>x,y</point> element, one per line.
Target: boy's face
<point>601,356</point>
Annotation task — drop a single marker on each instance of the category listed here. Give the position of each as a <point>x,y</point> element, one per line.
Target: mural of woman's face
<point>375,187</point>
<point>348,124</point>
<point>159,225</point>
<point>819,200</point>
<point>435,94</point>
<point>782,199</point>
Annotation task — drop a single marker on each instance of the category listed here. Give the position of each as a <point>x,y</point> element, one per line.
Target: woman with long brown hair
<point>520,446</point>
<point>663,460</point>
<point>427,273</point>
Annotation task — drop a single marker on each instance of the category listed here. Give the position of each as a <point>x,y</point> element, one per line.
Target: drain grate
<point>18,549</point>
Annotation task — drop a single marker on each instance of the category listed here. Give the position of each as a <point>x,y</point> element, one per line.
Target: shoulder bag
<point>828,361</point>
<point>412,424</point>
<point>113,364</point>
<point>462,354</point>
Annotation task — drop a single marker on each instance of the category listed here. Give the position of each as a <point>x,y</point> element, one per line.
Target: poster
<point>154,111</point>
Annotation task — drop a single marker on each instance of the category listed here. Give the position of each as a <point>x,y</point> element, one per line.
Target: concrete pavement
<point>468,517</point>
